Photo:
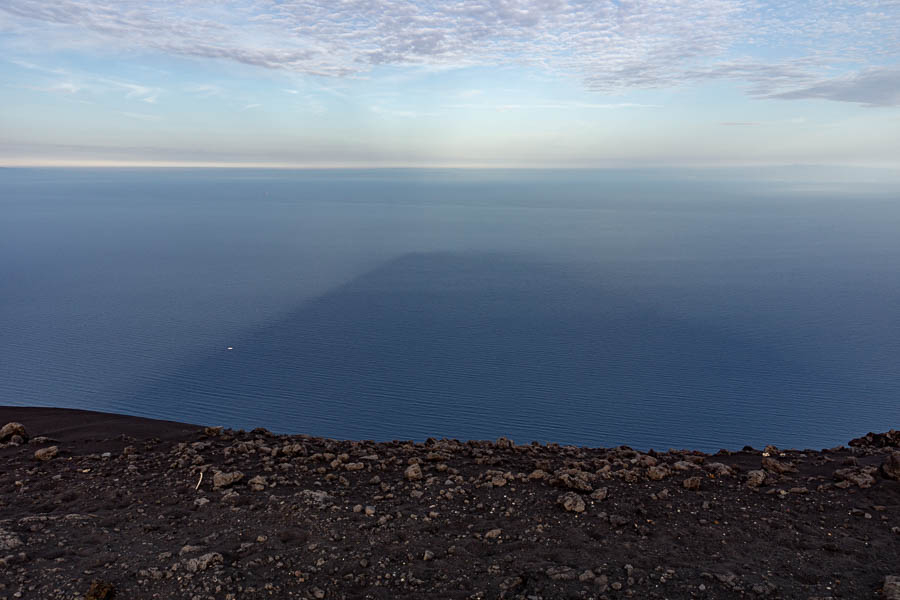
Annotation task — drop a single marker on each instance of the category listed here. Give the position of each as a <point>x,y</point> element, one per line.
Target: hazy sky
<point>456,82</point>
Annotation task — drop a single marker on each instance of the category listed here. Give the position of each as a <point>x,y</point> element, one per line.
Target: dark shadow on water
<point>482,345</point>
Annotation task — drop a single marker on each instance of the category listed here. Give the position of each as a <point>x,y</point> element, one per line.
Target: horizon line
<point>412,166</point>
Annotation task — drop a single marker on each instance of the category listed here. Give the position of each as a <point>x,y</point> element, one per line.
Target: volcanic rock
<point>691,483</point>
<point>222,479</point>
<point>756,478</point>
<point>11,429</point>
<point>891,466</point>
<point>855,475</point>
<point>257,483</point>
<point>413,472</point>
<point>776,466</point>
<point>571,501</point>
<point>45,454</point>
<point>204,562</point>
<point>657,472</point>
<point>600,494</point>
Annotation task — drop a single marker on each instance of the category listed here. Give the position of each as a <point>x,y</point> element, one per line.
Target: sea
<point>654,308</point>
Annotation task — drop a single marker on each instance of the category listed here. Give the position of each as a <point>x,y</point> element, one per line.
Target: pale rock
<point>45,454</point>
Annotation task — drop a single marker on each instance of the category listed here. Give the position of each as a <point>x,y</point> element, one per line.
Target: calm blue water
<point>649,308</point>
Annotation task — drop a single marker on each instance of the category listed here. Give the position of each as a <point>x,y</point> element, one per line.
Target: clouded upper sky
<point>578,83</point>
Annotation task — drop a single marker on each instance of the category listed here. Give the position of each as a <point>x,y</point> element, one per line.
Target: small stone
<point>574,479</point>
<point>429,555</point>
<point>776,466</point>
<point>318,593</point>
<point>572,502</point>
<point>221,479</point>
<point>657,472</point>
<point>562,573</point>
<point>691,483</point>
<point>46,454</point>
<point>600,494</point>
<point>370,511</point>
<point>602,583</point>
<point>413,472</point>
<point>493,533</point>
<point>719,470</point>
<point>258,483</point>
<point>204,562</point>
<point>756,478</point>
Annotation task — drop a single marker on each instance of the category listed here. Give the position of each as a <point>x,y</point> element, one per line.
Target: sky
<point>455,83</point>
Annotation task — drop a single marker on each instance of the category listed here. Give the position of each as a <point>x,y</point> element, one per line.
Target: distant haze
<point>493,83</point>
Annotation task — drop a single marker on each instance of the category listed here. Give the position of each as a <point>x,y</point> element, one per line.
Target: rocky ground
<point>99,506</point>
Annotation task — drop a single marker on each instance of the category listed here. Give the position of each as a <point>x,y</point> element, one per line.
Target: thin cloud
<point>204,90</point>
<point>552,106</point>
<point>133,90</point>
<point>873,87</point>
<point>63,87</point>
<point>400,113</point>
<point>84,82</point>
<point>141,116</point>
<point>33,66</point>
